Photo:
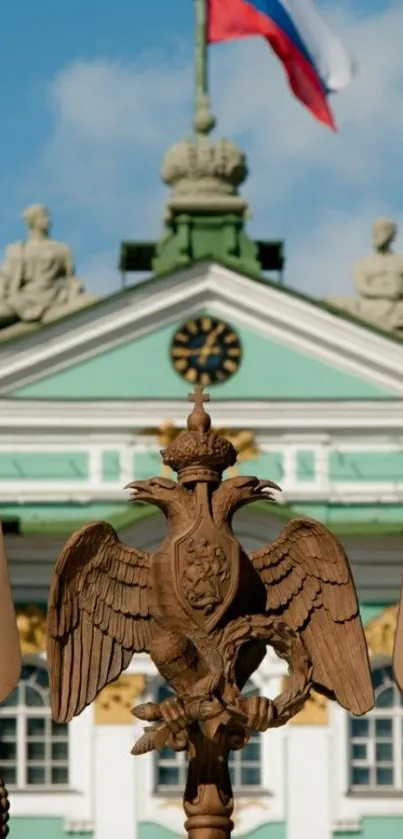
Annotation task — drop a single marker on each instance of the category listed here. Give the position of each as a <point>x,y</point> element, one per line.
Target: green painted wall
<point>366,466</point>
<point>306,465</point>
<point>380,827</point>
<point>111,465</point>
<point>268,465</point>
<point>44,466</point>
<point>270,830</point>
<point>41,828</point>
<point>142,369</point>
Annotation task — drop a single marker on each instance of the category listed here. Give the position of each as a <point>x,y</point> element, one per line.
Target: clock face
<point>206,351</point>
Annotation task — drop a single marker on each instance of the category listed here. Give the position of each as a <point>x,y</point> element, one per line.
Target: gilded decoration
<point>114,704</point>
<point>380,633</point>
<point>314,712</point>
<point>31,623</point>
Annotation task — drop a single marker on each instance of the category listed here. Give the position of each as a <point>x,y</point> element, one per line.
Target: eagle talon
<point>174,714</point>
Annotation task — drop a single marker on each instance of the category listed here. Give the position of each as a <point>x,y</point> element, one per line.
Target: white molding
<point>269,311</point>
<point>317,418</point>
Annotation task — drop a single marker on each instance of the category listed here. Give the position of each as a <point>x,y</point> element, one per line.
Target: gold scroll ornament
<point>31,623</point>
<point>380,633</point>
<point>114,704</point>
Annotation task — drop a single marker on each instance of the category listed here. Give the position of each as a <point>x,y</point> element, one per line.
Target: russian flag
<point>313,57</point>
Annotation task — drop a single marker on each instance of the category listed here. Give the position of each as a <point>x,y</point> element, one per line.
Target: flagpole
<point>204,120</point>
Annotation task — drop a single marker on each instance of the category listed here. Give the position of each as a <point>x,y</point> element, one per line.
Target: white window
<point>245,764</point>
<point>34,751</point>
<point>376,740</point>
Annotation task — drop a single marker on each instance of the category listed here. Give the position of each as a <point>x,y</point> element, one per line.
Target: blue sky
<point>93,94</point>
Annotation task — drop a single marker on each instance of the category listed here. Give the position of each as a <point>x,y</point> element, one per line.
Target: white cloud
<point>112,124</point>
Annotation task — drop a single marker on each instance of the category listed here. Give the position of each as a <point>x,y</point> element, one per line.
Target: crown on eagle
<point>199,454</point>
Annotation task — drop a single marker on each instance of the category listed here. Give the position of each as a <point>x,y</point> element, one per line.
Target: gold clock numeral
<point>205,379</point>
<point>181,336</point>
<point>230,338</point>
<point>235,352</point>
<point>192,327</point>
<point>181,364</point>
<point>179,352</point>
<point>206,324</point>
<point>230,365</point>
<point>191,375</point>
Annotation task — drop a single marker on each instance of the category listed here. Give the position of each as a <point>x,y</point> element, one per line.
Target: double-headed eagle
<point>200,606</point>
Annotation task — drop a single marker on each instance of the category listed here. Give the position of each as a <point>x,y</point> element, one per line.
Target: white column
<point>308,782</point>
<point>114,782</point>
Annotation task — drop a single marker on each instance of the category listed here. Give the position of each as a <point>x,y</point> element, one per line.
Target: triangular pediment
<point>292,347</point>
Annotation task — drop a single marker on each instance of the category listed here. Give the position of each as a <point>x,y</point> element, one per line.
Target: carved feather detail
<point>98,616</point>
<point>310,586</point>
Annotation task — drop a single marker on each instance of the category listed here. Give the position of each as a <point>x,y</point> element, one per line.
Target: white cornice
<point>270,312</point>
<point>128,416</point>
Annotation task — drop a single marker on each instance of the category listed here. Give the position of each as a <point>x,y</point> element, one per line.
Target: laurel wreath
<point>287,644</point>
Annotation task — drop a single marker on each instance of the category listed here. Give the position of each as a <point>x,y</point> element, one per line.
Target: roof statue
<point>38,283</point>
<point>378,281</point>
<point>10,662</point>
<point>398,646</point>
<point>205,610</point>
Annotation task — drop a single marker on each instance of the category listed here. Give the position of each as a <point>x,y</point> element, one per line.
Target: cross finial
<point>198,420</point>
<point>198,397</point>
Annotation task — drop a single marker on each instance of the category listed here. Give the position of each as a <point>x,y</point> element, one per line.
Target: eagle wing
<point>98,616</point>
<point>310,587</point>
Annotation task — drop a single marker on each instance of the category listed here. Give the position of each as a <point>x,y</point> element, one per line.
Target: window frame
<point>394,713</point>
<point>22,713</point>
<point>350,805</point>
<point>73,802</point>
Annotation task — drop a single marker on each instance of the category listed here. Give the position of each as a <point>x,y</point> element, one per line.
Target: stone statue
<point>378,280</point>
<point>37,278</point>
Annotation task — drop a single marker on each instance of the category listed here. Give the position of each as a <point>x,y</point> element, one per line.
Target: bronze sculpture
<point>205,612</point>
<point>398,646</point>
<point>10,662</point>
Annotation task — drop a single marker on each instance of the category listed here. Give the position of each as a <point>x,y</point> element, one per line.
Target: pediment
<point>287,334</point>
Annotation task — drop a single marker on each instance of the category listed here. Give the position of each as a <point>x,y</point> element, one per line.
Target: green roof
<point>133,514</point>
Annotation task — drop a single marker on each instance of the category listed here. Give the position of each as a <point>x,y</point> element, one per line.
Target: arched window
<point>376,740</point>
<point>34,751</point>
<point>244,765</point>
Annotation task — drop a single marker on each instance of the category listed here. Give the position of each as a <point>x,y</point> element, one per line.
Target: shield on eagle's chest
<point>206,566</point>
<point>398,647</point>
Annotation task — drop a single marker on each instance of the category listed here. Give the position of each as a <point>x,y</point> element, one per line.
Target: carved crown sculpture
<point>203,167</point>
<point>199,453</point>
